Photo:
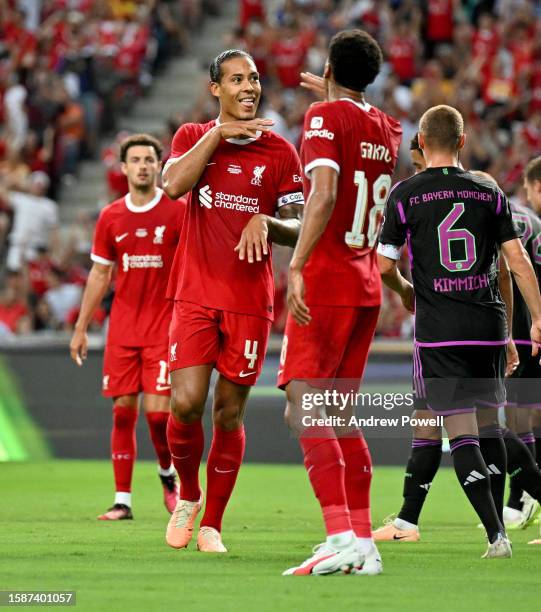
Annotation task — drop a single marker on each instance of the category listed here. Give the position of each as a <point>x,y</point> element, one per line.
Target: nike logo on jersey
<point>163,387</point>
<point>121,237</point>
<point>211,164</point>
<point>244,374</point>
<point>223,471</point>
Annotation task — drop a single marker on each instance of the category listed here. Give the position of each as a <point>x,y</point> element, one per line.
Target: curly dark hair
<point>355,59</point>
<point>216,65</point>
<point>414,144</point>
<point>137,140</point>
<point>533,170</point>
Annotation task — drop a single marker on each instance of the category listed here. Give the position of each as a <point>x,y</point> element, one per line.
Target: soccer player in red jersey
<point>139,234</point>
<point>239,175</point>
<point>348,153</point>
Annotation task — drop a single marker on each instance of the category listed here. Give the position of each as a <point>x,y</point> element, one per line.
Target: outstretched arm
<point>319,207</point>
<point>253,243</point>
<point>524,274</point>
<point>96,287</point>
<point>506,289</point>
<point>391,276</point>
<point>180,175</point>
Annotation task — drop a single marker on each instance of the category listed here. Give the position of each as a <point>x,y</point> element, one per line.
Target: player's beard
<point>144,185</point>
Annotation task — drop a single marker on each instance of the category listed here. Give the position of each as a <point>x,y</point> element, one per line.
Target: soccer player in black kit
<point>454,223</point>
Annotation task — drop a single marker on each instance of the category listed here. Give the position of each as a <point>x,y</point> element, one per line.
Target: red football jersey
<point>289,56</point>
<point>142,241</point>
<point>440,20</point>
<point>361,143</point>
<point>402,57</point>
<point>242,178</point>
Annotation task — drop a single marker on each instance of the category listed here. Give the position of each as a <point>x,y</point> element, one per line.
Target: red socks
<point>358,477</point>
<point>186,442</point>
<point>223,465</point>
<point>157,425</point>
<point>325,466</point>
<point>123,446</point>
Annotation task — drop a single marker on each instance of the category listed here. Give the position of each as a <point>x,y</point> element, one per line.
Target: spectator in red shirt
<point>288,52</point>
<point>14,313</point>
<point>402,49</point>
<point>486,40</point>
<point>439,23</point>
<point>249,10</point>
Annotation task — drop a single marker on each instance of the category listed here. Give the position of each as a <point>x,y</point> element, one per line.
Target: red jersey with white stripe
<point>242,178</point>
<point>361,143</point>
<point>141,241</point>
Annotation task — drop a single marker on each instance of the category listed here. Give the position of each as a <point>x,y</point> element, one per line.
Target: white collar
<point>240,141</point>
<point>362,105</point>
<point>146,207</point>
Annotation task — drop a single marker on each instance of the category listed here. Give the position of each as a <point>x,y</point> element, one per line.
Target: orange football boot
<point>180,527</point>
<point>390,533</point>
<point>210,540</point>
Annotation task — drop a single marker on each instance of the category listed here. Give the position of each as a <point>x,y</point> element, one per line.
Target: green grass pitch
<point>50,539</point>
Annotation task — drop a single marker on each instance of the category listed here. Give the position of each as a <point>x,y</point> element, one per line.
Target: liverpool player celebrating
<point>139,233</point>
<point>454,223</point>
<point>239,175</point>
<point>349,152</point>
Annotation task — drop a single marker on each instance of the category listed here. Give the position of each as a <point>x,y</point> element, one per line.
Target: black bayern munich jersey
<point>529,226</point>
<point>453,222</point>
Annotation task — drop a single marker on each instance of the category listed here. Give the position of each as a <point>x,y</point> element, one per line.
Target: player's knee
<point>227,416</point>
<point>185,406</point>
<point>426,432</point>
<point>293,415</point>
<point>126,401</point>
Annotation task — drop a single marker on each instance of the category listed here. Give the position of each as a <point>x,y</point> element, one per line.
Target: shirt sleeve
<point>505,227</point>
<point>103,249</point>
<point>289,179</point>
<point>319,144</point>
<point>393,229</point>
<point>182,141</point>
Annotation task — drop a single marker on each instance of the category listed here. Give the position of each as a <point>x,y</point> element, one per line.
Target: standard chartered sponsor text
<point>141,261</point>
<point>240,203</point>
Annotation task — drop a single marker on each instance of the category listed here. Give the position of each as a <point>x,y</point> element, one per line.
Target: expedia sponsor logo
<point>130,262</point>
<point>316,123</point>
<point>291,198</point>
<point>324,133</point>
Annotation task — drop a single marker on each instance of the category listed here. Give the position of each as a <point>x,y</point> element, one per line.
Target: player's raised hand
<point>253,243</point>
<point>535,335</point>
<point>79,347</point>
<point>295,298</point>
<point>315,84</point>
<point>512,358</point>
<point>244,129</point>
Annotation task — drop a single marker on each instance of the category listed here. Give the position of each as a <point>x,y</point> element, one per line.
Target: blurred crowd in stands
<point>77,63</point>
<point>68,69</point>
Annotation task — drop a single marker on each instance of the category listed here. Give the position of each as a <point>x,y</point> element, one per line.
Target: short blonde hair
<point>441,127</point>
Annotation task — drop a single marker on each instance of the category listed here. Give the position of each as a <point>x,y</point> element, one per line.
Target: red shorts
<point>128,370</point>
<point>234,343</point>
<point>333,346</point>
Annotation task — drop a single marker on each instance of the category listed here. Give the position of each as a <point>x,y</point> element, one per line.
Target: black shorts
<point>457,379</point>
<point>524,386</point>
